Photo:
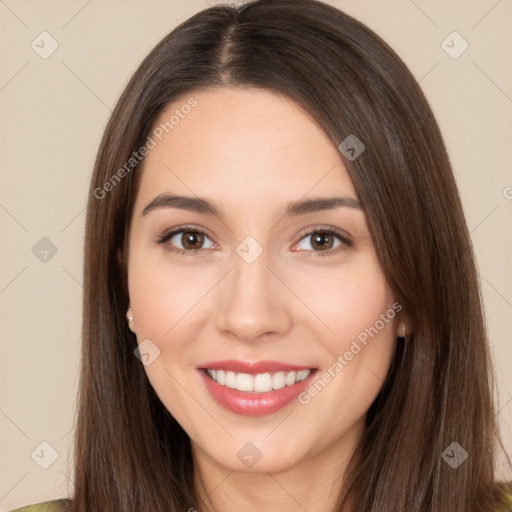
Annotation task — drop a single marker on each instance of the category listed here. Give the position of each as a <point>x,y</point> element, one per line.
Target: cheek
<point>162,295</point>
<point>350,302</point>
<point>163,300</point>
<point>346,302</point>
<point>359,310</point>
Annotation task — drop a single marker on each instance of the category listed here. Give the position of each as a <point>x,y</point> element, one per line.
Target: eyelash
<point>346,241</point>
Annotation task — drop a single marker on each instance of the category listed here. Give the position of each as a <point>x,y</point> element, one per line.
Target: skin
<point>253,152</point>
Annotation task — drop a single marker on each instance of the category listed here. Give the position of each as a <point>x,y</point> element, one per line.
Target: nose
<point>254,303</point>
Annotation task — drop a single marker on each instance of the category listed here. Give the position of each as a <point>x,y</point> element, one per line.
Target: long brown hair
<point>130,453</point>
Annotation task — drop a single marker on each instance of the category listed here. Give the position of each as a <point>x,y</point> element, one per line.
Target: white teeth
<point>302,374</point>
<point>244,382</point>
<point>230,380</point>
<point>278,380</point>
<point>290,378</point>
<point>220,377</point>
<point>260,383</point>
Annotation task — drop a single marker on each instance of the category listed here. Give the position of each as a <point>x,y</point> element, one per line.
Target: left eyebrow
<point>204,206</point>
<point>325,203</point>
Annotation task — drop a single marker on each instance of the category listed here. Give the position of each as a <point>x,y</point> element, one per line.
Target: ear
<point>131,320</point>
<point>403,326</point>
<point>123,266</point>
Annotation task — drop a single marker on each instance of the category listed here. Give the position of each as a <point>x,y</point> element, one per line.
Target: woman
<point>281,306</point>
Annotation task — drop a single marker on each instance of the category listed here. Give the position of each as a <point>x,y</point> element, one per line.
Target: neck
<point>313,483</point>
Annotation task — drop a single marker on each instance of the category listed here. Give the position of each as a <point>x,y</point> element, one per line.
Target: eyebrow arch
<point>199,205</point>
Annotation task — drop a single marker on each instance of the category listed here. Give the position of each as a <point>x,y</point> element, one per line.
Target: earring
<point>129,315</point>
<point>405,337</point>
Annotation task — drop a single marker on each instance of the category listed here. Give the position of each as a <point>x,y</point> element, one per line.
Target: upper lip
<point>253,367</point>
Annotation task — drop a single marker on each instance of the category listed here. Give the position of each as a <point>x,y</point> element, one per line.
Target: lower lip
<point>254,404</point>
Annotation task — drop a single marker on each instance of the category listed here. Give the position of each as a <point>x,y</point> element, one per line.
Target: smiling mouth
<point>258,383</point>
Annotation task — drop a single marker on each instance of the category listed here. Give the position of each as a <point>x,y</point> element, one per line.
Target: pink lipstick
<point>255,388</point>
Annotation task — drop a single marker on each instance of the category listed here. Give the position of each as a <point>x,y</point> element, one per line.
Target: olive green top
<point>58,506</point>
<point>47,506</point>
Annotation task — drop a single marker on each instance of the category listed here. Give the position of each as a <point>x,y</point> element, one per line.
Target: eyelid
<point>170,233</point>
<point>344,235</point>
<point>345,238</point>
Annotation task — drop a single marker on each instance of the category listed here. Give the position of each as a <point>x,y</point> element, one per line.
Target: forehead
<point>241,144</point>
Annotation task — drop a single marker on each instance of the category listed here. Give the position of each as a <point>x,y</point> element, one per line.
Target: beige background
<point>53,112</point>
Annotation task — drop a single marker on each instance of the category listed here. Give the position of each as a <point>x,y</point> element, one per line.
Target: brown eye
<point>192,240</point>
<point>185,240</point>
<point>324,242</point>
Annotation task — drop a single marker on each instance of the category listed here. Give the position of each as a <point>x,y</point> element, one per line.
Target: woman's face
<point>245,269</point>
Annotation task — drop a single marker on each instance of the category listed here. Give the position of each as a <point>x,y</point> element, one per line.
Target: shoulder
<point>58,505</point>
<point>47,506</point>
